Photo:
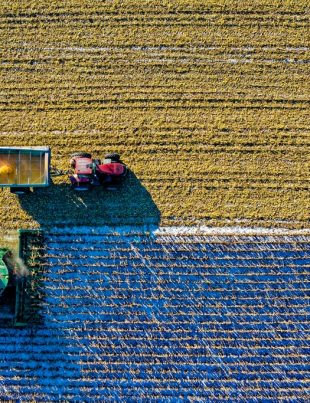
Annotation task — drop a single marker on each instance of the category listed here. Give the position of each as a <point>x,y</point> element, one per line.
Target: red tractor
<point>89,172</point>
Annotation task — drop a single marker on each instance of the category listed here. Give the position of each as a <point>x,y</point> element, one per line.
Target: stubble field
<point>173,315</point>
<point>208,105</point>
<point>139,297</point>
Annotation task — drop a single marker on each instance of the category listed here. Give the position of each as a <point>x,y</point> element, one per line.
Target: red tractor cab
<point>89,172</point>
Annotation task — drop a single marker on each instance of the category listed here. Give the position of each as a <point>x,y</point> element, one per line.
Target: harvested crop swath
<point>208,104</point>
<point>165,315</point>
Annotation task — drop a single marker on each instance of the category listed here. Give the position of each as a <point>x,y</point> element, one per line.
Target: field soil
<point>207,103</point>
<point>167,316</point>
<point>138,294</point>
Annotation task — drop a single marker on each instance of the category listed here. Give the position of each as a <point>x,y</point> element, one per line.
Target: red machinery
<point>90,172</point>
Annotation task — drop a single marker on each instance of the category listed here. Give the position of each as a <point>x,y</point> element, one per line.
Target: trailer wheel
<point>82,155</point>
<point>114,157</point>
<point>80,188</point>
<point>21,190</point>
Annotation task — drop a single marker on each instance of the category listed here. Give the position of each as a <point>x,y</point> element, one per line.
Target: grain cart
<point>22,168</point>
<point>90,172</point>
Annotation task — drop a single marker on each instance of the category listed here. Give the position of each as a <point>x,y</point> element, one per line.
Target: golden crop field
<point>206,101</point>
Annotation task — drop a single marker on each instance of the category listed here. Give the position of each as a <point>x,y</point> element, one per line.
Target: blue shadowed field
<point>136,316</point>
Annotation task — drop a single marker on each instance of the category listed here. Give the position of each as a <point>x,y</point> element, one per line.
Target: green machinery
<point>20,281</point>
<point>4,273</point>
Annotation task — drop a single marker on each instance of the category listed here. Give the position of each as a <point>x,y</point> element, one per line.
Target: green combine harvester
<point>4,272</point>
<point>20,282</point>
<point>12,291</point>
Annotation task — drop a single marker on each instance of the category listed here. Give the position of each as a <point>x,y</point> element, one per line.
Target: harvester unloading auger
<point>23,168</point>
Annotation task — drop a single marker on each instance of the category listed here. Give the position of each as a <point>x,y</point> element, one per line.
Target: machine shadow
<point>60,205</point>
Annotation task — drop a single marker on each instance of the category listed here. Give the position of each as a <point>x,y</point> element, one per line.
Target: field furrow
<point>207,103</point>
<point>186,313</point>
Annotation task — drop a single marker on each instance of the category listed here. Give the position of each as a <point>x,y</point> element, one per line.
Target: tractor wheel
<point>80,188</point>
<point>114,157</point>
<point>97,162</point>
<point>82,155</point>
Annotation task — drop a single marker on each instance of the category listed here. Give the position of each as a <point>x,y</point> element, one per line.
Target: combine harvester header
<point>24,167</point>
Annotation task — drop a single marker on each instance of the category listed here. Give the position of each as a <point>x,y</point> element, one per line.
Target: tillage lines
<point>135,329</point>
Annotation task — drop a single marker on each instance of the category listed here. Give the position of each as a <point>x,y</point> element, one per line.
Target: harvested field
<point>208,104</point>
<point>170,314</point>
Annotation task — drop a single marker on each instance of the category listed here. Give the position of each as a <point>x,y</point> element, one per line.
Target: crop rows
<point>131,314</point>
<point>208,104</point>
